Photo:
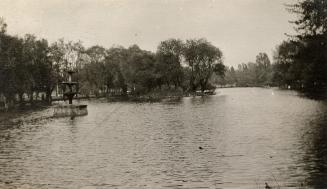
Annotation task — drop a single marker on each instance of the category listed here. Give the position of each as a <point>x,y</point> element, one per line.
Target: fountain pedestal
<point>71,109</point>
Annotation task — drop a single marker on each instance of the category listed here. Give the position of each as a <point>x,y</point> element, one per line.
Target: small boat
<point>205,92</point>
<point>210,92</point>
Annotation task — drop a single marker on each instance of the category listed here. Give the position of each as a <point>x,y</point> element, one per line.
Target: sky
<point>240,28</point>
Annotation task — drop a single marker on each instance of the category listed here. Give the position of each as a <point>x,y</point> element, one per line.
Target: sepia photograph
<point>163,94</point>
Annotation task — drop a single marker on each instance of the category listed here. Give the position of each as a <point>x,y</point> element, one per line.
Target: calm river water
<point>239,138</point>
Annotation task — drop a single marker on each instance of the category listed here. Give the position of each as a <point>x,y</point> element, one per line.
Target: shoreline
<point>150,97</point>
<point>13,116</point>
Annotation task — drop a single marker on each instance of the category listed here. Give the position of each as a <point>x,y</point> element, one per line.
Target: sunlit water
<point>248,137</point>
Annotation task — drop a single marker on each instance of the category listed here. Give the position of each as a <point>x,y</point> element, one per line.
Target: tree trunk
<point>48,96</point>
<point>176,85</point>
<point>31,97</point>
<point>107,90</point>
<point>21,99</point>
<point>57,89</point>
<point>124,90</point>
<point>203,86</point>
<point>5,102</point>
<point>192,80</point>
<point>9,102</point>
<point>36,95</point>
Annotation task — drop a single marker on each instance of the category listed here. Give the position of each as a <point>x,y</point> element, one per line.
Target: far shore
<point>149,97</point>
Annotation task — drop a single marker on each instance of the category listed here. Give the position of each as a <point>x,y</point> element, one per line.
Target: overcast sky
<point>240,28</point>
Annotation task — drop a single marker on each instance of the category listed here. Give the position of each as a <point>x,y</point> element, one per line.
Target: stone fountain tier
<point>70,110</point>
<point>70,83</point>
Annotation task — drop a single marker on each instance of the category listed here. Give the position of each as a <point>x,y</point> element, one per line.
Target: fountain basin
<point>70,110</point>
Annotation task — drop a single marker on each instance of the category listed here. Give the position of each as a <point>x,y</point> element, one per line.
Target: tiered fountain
<point>70,109</point>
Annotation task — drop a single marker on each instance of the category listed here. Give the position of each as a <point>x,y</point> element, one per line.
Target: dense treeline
<point>31,68</point>
<point>301,61</point>
<point>252,74</point>
<point>298,63</point>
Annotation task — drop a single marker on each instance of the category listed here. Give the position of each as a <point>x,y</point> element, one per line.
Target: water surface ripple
<point>239,138</point>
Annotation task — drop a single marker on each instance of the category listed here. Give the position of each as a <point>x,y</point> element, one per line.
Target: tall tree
<point>204,59</point>
<point>284,72</point>
<point>13,69</point>
<point>116,61</point>
<point>312,17</point>
<point>311,59</point>
<point>141,70</point>
<point>169,58</point>
<point>95,71</point>
<point>263,69</point>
